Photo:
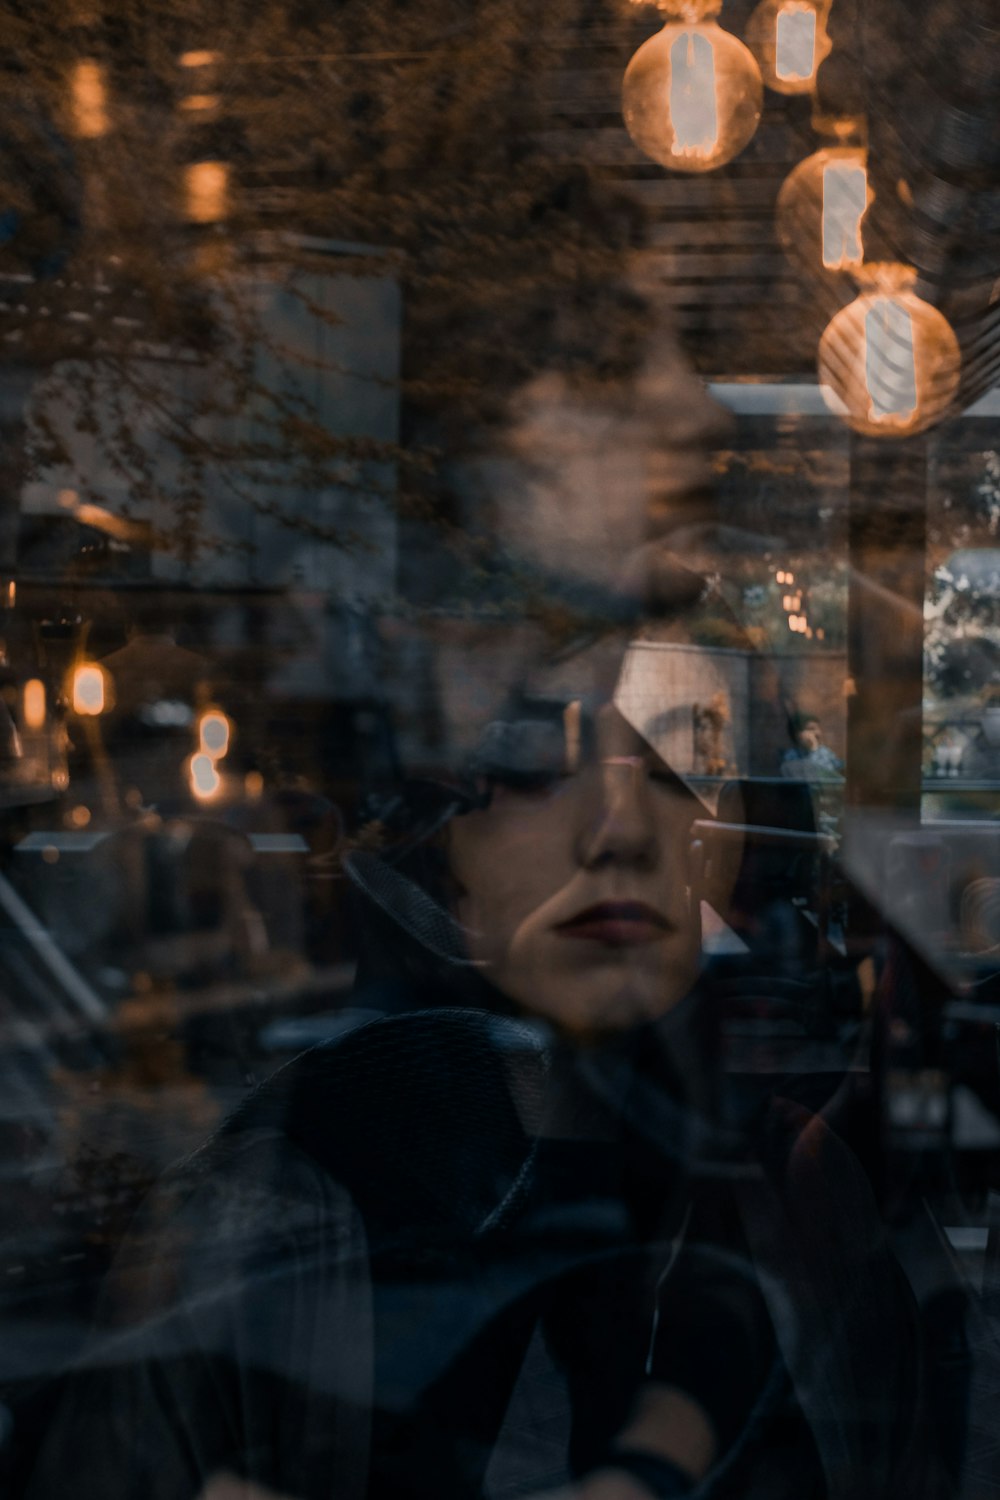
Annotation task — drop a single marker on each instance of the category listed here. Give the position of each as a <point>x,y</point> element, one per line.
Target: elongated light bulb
<point>845,203</point>
<point>206,191</point>
<point>89,100</point>
<point>694,106</point>
<point>890,366</point>
<point>213,733</point>
<point>34,704</point>
<point>204,779</point>
<point>795,43</point>
<point>88,690</point>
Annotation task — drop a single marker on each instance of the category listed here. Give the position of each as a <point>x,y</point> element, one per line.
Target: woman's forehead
<point>605,670</point>
<point>625,696</point>
<point>589,676</point>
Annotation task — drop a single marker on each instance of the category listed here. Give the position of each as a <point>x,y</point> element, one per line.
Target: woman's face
<point>576,890</point>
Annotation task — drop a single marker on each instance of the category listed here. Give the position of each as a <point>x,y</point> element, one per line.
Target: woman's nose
<point>615,823</point>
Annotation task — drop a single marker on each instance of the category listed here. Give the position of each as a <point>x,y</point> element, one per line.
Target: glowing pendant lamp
<point>88,100</point>
<point>206,180</point>
<point>823,202</point>
<point>789,40</point>
<point>692,94</point>
<point>206,192</point>
<point>889,363</point>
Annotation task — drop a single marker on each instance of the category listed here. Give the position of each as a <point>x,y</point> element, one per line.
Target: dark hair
<point>799,721</point>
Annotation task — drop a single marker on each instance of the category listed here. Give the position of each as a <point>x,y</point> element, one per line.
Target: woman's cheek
<point>492,916</point>
<point>506,868</point>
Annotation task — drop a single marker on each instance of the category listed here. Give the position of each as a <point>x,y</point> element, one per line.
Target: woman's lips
<point>616,924</point>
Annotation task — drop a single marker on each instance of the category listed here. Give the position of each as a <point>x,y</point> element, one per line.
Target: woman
<point>512,1236</point>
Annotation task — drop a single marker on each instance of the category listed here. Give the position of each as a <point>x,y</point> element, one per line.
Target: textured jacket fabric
<point>386,1276</point>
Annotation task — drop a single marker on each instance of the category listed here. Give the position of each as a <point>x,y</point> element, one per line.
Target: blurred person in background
<point>809,759</point>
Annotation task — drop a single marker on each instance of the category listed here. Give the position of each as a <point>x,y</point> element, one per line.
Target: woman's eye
<point>525,756</point>
<point>666,780</point>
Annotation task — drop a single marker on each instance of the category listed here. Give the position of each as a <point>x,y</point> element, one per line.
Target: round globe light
<point>889,363</point>
<point>821,209</point>
<point>692,94</point>
<point>789,40</point>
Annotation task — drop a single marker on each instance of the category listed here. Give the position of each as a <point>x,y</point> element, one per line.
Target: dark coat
<point>386,1277</point>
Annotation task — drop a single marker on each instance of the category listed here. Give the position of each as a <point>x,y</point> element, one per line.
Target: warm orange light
<point>889,363</point>
<point>213,733</point>
<point>845,203</point>
<point>692,94</point>
<point>88,100</point>
<point>694,103</point>
<point>89,695</point>
<point>33,704</point>
<point>203,59</point>
<point>795,43</point>
<point>821,209</point>
<point>206,192</point>
<point>196,102</point>
<point>789,40</point>
<point>204,779</point>
<point>253,785</point>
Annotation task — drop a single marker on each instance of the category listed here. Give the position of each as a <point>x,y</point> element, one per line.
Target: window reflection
<point>499,882</point>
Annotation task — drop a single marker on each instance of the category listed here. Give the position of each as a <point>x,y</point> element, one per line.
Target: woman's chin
<point>598,1003</point>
